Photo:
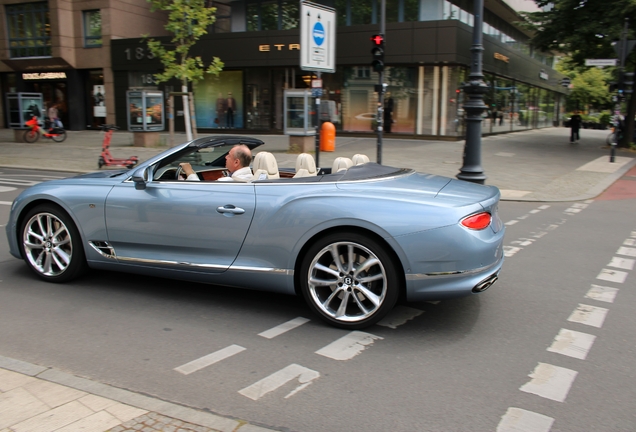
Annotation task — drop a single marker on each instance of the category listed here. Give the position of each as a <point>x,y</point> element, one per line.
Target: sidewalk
<point>536,165</point>
<point>39,399</point>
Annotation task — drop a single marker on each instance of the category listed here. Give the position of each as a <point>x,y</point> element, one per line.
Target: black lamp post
<point>475,89</point>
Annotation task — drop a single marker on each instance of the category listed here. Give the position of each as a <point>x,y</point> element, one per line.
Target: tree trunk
<point>186,111</point>
<point>628,136</point>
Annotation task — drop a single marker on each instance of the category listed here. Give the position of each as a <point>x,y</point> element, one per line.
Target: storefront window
<point>392,10</point>
<point>218,101</point>
<point>289,15</point>
<point>92,28</point>
<point>521,107</point>
<point>411,10</point>
<point>96,99</point>
<point>361,12</point>
<point>29,30</point>
<point>267,15</point>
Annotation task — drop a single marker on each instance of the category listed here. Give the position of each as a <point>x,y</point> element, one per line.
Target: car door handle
<point>230,209</point>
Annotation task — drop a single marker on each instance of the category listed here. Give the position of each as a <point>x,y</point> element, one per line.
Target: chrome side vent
<point>104,249</point>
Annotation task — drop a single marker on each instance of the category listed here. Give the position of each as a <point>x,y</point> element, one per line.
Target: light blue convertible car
<point>351,239</point>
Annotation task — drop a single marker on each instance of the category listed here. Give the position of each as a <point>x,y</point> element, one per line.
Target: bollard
<point>328,137</point>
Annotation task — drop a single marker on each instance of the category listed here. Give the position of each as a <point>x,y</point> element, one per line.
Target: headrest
<point>266,162</point>
<point>359,159</point>
<point>340,164</point>
<point>306,161</point>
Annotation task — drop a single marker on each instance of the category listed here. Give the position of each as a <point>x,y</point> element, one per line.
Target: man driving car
<point>237,163</point>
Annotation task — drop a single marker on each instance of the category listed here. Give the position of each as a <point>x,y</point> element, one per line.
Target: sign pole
<point>318,121</point>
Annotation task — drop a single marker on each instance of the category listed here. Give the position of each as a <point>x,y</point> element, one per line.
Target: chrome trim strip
<point>421,276</point>
<point>173,263</point>
<point>286,272</point>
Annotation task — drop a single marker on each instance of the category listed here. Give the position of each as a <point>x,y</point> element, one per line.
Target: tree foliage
<point>188,20</point>
<point>585,29</point>
<point>589,86</point>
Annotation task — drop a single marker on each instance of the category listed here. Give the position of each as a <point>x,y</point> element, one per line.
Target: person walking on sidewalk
<point>575,125</point>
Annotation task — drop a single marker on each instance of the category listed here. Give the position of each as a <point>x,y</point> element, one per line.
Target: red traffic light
<point>377,39</point>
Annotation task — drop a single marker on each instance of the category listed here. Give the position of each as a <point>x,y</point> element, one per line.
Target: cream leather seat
<point>341,164</point>
<point>265,166</point>
<point>360,159</point>
<point>305,166</point>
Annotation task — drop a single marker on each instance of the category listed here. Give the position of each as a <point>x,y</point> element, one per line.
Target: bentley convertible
<point>351,238</point>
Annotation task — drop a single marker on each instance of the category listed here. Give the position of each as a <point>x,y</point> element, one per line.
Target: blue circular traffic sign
<point>318,33</point>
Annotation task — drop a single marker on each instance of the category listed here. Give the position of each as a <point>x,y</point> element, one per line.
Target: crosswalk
<point>344,348</point>
<point>554,382</point>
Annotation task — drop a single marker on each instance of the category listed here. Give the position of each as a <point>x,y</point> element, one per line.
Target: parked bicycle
<point>57,134</point>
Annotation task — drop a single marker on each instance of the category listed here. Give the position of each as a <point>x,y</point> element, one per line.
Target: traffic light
<point>377,52</point>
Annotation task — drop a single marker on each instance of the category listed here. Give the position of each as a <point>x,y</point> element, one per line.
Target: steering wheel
<point>178,173</point>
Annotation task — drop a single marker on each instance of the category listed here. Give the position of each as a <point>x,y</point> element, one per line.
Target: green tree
<point>188,21</point>
<point>584,29</point>
<point>589,86</point>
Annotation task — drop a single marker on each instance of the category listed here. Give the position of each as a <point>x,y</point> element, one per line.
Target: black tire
<point>31,136</point>
<point>327,285</point>
<point>51,244</point>
<point>59,136</point>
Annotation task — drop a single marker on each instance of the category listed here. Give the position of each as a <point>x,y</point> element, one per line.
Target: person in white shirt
<point>237,162</point>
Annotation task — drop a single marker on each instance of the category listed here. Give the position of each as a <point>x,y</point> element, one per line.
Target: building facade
<point>61,49</point>
<point>427,57</point>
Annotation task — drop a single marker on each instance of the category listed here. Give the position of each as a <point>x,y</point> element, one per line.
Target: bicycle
<point>57,134</point>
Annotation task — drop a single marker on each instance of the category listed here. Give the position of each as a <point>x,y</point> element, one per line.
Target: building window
<point>29,30</point>
<point>272,15</point>
<point>92,28</point>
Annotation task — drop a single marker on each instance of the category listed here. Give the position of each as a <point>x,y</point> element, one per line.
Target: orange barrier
<point>328,137</point>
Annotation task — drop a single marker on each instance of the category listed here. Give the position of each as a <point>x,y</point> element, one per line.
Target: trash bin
<point>328,137</point>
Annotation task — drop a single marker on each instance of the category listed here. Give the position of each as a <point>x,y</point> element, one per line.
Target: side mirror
<point>140,177</point>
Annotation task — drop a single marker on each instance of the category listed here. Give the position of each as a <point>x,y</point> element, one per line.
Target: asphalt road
<point>535,349</point>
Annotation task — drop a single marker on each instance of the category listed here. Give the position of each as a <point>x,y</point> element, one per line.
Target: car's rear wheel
<point>51,244</point>
<point>349,280</point>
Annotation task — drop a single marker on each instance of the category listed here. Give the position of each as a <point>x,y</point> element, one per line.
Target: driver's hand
<point>187,168</point>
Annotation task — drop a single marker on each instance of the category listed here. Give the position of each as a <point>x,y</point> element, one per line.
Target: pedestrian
<point>388,114</point>
<point>230,108</point>
<point>575,125</point>
<point>54,118</point>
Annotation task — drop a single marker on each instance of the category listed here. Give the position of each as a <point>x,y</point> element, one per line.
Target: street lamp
<point>475,89</point>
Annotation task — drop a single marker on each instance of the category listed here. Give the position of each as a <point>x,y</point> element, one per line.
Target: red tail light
<point>477,221</point>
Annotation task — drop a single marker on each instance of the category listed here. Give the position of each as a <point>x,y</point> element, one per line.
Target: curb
<point>148,403</point>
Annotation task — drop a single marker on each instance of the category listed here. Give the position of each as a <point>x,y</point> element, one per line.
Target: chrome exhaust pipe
<point>486,283</point>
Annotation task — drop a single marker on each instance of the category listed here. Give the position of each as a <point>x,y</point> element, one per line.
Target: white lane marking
<point>633,234</point>
<point>535,211</point>
<point>622,263</point>
<point>572,343</point>
<point>626,251</point>
<point>399,315</point>
<point>510,251</point>
<point>572,210</point>
<point>6,189</point>
<point>602,293</point>
<point>589,315</point>
<point>630,242</point>
<point>18,182</point>
<point>209,359</point>
<point>550,382</point>
<point>579,205</point>
<point>284,327</point>
<point>544,207</point>
<point>348,346</point>
<point>520,420</point>
<point>612,275</point>
<point>512,222</point>
<point>523,217</point>
<point>523,242</point>
<point>539,234</point>
<point>504,154</point>
<point>278,379</point>
<point>6,203</point>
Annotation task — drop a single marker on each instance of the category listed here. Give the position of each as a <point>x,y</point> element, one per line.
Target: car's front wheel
<point>51,244</point>
<point>349,280</point>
